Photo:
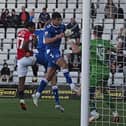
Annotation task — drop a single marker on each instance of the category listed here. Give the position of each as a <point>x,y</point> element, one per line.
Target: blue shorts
<point>41,59</point>
<point>52,55</point>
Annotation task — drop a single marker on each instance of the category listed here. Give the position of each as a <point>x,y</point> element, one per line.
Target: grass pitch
<point>44,115</point>
<point>47,115</point>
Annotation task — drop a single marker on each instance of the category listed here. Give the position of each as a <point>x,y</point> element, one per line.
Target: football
<point>68,32</point>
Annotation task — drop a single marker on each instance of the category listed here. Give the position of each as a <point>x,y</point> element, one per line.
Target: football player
<point>54,32</point>
<point>25,58</point>
<point>41,59</point>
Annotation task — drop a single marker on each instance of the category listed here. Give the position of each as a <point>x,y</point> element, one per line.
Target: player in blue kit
<point>41,59</point>
<point>54,32</point>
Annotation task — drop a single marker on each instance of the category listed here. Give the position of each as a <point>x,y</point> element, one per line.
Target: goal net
<point>107,104</point>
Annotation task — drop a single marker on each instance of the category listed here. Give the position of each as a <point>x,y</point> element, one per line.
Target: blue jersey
<point>52,49</point>
<point>40,56</point>
<point>51,31</point>
<point>40,36</point>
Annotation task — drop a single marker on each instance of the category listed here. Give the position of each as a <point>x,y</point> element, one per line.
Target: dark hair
<point>29,24</point>
<point>44,8</point>
<point>13,10</point>
<point>98,30</point>
<point>56,15</point>
<point>40,24</point>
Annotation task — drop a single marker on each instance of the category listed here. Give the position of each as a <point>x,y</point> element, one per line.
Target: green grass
<point>44,115</point>
<point>106,114</point>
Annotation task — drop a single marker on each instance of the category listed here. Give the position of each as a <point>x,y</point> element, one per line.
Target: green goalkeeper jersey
<point>99,61</point>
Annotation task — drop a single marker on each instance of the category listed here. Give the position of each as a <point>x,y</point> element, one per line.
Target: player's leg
<point>48,76</point>
<point>109,101</point>
<point>55,57</point>
<point>62,63</point>
<point>56,94</point>
<point>21,92</point>
<point>22,68</point>
<point>94,115</point>
<point>35,72</point>
<point>22,71</point>
<point>42,61</point>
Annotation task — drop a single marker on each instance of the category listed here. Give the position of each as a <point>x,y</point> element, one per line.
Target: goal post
<point>85,62</point>
<point>103,78</point>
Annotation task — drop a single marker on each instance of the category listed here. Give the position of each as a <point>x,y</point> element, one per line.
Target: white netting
<point>107,63</point>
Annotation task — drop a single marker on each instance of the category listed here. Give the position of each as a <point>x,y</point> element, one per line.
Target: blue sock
<point>67,76</point>
<point>56,94</point>
<point>42,86</point>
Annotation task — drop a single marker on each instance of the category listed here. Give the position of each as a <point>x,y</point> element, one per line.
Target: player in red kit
<point>25,58</point>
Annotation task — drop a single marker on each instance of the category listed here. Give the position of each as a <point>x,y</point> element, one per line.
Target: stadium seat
<point>68,16</point>
<point>72,1</point>
<point>71,5</point>
<point>108,26</point>
<point>3,55</point>
<point>101,8</point>
<point>52,1</point>
<point>74,76</point>
<point>51,7</point>
<point>2,32</point>
<point>10,33</point>
<point>31,4</point>
<point>6,46</point>
<point>107,31</point>
<point>115,34</point>
<point>118,81</point>
<point>2,4</point>
<point>106,36</point>
<point>11,5</point>
<point>12,56</point>
<point>94,1</point>
<point>98,21</point>
<point>100,16</point>
<point>15,77</point>
<point>119,23</point>
<point>21,3</point>
<point>102,1</point>
<point>60,7</point>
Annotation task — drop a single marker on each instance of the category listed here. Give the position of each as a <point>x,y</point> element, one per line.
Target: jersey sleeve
<point>48,32</point>
<point>63,27</point>
<point>36,32</point>
<point>27,37</point>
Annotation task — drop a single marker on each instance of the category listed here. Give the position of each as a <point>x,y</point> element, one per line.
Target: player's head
<point>41,24</point>
<point>56,18</point>
<point>30,26</point>
<point>98,31</point>
<point>44,9</point>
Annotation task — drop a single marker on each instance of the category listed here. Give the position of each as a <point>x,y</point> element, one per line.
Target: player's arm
<point>25,46</point>
<point>53,39</point>
<point>35,41</point>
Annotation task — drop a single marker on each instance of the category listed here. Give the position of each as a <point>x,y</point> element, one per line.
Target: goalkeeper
<point>99,71</point>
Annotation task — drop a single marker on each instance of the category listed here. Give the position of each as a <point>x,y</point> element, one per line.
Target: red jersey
<point>24,35</point>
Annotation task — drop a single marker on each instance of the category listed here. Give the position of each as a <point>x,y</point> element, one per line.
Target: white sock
<point>54,87</point>
<point>37,94</point>
<point>22,101</point>
<point>72,86</point>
